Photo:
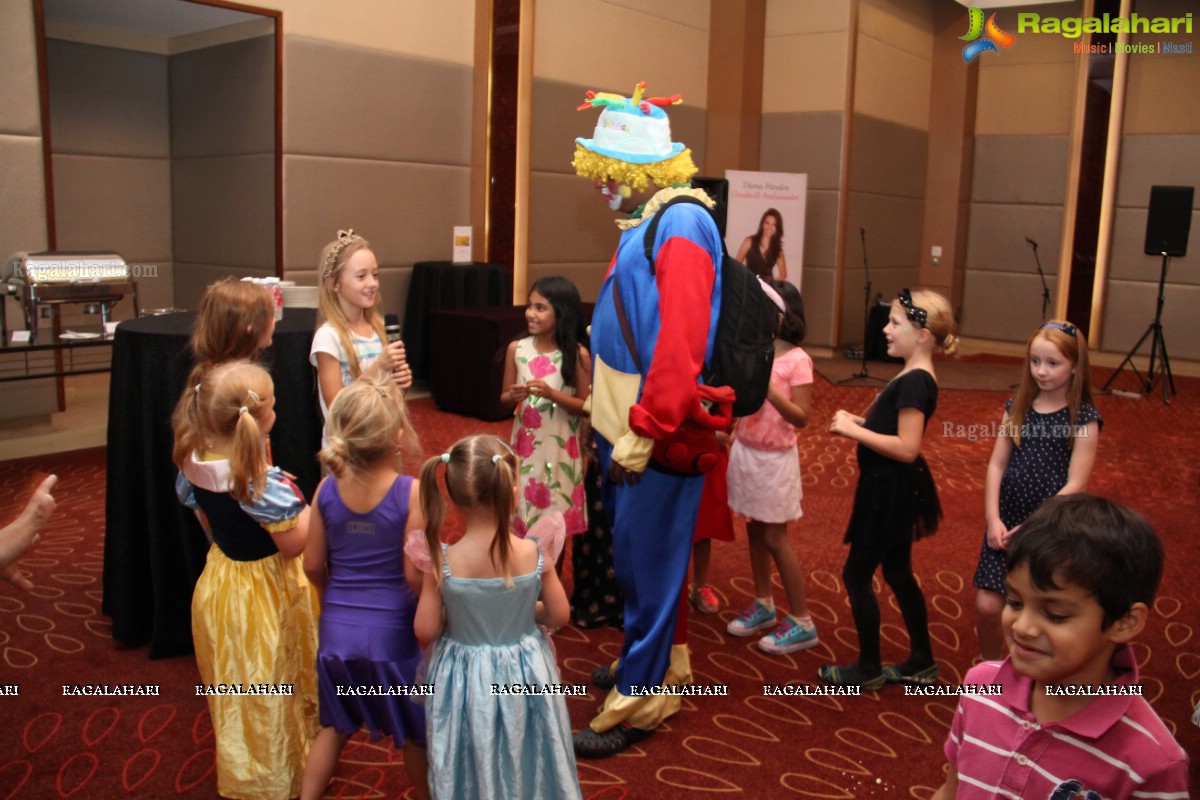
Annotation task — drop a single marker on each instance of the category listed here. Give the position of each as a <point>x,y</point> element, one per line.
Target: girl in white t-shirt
<point>350,339</point>
<point>764,486</point>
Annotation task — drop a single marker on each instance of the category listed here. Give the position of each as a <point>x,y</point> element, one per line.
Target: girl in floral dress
<point>548,375</point>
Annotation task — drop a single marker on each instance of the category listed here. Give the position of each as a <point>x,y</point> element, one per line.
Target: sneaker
<point>705,600</point>
<point>755,618</point>
<point>789,637</point>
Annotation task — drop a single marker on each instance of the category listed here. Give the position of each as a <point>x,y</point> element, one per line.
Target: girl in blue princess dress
<point>480,607</point>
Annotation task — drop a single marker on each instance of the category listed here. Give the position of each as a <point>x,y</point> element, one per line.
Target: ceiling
<point>161,18</point>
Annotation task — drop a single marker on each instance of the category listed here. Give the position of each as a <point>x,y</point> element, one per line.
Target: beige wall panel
<point>108,102</point>
<point>1130,262</point>
<point>808,142</point>
<point>906,25</point>
<point>442,30</point>
<point>1003,306</point>
<point>687,13</point>
<point>996,237</point>
<point>223,100</point>
<point>23,188</point>
<point>556,124</point>
<point>818,306</point>
<point>192,279</point>
<point>1157,160</point>
<point>888,158</point>
<point>1162,92</point>
<point>1020,169</point>
<point>406,211</point>
<point>20,112</point>
<point>820,230</point>
<point>893,231</point>
<point>1030,99</point>
<point>646,43</point>
<point>789,18</point>
<point>393,280</point>
<point>1127,320</point>
<point>586,277</point>
<point>154,290</point>
<point>358,103</point>
<point>224,211</point>
<point>121,204</point>
<point>893,84</point>
<point>570,222</point>
<point>22,194</point>
<point>804,72</point>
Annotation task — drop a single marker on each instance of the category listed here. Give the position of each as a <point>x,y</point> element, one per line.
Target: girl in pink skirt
<point>764,486</point>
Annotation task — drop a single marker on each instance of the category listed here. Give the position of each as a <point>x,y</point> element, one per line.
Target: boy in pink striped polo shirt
<point>1070,722</point>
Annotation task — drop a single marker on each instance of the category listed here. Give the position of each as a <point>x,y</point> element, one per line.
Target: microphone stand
<point>1042,275</point>
<point>862,374</point>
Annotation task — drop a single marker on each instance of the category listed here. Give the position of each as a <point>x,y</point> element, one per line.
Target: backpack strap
<point>652,225</point>
<point>624,322</point>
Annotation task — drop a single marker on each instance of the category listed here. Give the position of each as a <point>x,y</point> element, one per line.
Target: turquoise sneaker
<point>789,637</point>
<point>755,618</point>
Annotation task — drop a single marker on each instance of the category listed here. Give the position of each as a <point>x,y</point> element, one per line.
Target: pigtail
<point>433,507</point>
<point>503,478</point>
<point>185,419</point>
<point>247,461</point>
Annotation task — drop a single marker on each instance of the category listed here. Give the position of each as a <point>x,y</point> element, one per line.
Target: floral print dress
<point>545,438</point>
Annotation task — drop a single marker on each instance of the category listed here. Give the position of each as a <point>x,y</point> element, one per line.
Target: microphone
<point>391,326</point>
<point>1032,242</point>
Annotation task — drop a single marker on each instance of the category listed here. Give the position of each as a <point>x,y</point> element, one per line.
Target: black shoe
<point>589,744</point>
<point>603,677</point>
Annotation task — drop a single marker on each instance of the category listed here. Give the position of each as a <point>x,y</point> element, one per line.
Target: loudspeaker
<point>717,189</point>
<point>1169,220</point>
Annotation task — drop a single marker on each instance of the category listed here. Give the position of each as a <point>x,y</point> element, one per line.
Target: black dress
<point>894,499</point>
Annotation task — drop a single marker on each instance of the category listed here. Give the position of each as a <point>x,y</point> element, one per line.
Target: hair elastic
<point>197,388</point>
<point>445,458</point>
<point>1065,327</point>
<point>496,459</point>
<point>243,410</point>
<point>915,313</point>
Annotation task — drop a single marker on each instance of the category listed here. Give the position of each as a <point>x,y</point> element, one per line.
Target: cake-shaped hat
<point>632,141</point>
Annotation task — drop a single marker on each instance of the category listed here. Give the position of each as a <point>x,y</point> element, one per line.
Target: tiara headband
<point>344,239</point>
<point>915,313</point>
<point>1065,327</point>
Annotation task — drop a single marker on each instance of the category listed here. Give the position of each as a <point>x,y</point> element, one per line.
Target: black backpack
<point>744,349</point>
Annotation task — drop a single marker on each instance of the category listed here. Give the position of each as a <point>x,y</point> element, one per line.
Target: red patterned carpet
<point>749,745</point>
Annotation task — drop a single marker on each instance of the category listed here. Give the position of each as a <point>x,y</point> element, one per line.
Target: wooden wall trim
<point>1112,167</point>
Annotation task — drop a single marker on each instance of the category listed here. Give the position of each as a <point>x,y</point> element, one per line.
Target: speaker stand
<point>1158,350</point>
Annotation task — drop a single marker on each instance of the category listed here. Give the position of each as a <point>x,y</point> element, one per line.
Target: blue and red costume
<point>672,312</point>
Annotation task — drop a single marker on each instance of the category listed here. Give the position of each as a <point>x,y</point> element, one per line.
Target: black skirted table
<point>441,284</point>
<point>154,548</point>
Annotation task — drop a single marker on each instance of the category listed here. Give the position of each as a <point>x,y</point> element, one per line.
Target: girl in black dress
<point>896,500</point>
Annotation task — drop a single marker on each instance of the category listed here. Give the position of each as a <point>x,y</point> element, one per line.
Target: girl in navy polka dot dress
<point>1046,446</point>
